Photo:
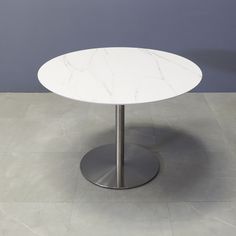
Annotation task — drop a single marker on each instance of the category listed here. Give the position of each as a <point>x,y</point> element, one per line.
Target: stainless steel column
<point>119,165</point>
<point>120,136</point>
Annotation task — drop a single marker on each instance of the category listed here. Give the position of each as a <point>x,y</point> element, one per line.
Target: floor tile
<point>8,130</point>
<point>203,219</point>
<point>41,219</point>
<point>46,135</point>
<point>205,131</point>
<point>13,105</point>
<point>223,106</point>
<point>184,106</point>
<point>222,103</point>
<point>38,177</point>
<point>42,191</point>
<point>57,107</point>
<point>105,218</point>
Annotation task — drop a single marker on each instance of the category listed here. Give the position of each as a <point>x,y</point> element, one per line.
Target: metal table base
<point>120,165</point>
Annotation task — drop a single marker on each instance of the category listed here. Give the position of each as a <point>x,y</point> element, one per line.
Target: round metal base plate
<point>99,166</point>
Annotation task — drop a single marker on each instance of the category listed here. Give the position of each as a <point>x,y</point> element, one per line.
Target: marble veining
<point>119,75</point>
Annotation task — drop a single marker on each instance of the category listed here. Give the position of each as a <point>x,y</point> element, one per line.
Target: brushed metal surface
<point>120,142</point>
<point>99,166</point>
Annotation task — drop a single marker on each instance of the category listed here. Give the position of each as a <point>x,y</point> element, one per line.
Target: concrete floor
<point>42,192</point>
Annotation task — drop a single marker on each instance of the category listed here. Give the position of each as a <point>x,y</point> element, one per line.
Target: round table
<point>119,76</point>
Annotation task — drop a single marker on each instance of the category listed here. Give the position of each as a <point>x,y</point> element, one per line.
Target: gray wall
<point>33,31</point>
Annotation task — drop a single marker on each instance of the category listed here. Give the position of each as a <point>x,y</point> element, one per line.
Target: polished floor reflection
<point>42,192</point>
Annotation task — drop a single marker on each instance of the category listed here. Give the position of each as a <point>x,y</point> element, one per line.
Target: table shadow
<point>185,162</point>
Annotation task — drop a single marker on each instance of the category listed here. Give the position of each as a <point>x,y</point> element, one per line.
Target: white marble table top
<point>119,75</point>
